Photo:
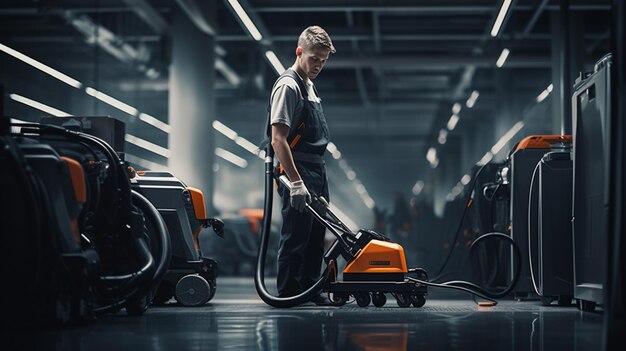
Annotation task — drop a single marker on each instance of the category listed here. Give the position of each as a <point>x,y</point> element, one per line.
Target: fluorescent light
<point>443,136</point>
<point>111,101</point>
<point>360,189</point>
<point>369,202</point>
<point>244,143</point>
<point>351,175</point>
<point>418,187</point>
<point>230,157</point>
<point>507,137</point>
<point>38,105</point>
<point>222,128</point>
<point>465,179</point>
<point>331,147</point>
<point>155,122</point>
<point>336,155</point>
<point>227,72</point>
<point>503,56</point>
<point>456,108</point>
<point>435,163</point>
<point>159,150</point>
<point>500,19</point>
<point>544,94</point>
<point>454,119</point>
<point>485,159</point>
<point>273,59</point>
<point>40,66</point>
<point>431,155</point>
<point>472,99</point>
<point>153,166</point>
<point>247,22</point>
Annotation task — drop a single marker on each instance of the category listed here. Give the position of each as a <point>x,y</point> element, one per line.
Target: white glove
<point>299,195</point>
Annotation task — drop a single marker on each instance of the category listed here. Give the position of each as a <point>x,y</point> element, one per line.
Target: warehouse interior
<point>481,140</point>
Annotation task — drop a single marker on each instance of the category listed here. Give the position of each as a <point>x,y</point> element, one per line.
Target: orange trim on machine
<point>254,216</point>
<point>542,141</point>
<point>197,200</point>
<point>78,179</point>
<point>196,237</point>
<point>379,257</point>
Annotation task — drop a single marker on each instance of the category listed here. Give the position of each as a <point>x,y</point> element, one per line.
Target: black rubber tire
<point>403,300</point>
<point>213,285</point>
<point>362,299</point>
<point>546,300</point>
<point>418,300</point>
<point>587,306</point>
<point>379,299</point>
<point>338,299</point>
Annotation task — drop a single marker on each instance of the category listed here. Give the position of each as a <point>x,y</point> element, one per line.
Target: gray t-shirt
<point>287,100</point>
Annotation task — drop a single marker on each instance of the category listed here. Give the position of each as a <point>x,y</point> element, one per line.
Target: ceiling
<point>399,68</point>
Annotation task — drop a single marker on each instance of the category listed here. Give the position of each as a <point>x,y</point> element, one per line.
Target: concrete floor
<point>236,319</point>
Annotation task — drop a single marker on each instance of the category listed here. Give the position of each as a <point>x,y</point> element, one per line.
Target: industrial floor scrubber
<point>374,265</point>
<point>191,278</point>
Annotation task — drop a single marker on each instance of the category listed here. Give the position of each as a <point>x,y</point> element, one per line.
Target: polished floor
<point>236,319</point>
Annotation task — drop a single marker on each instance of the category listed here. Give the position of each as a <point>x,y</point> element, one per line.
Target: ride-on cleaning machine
<point>375,265</point>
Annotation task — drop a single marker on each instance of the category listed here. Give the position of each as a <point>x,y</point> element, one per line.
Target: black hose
<point>141,282</point>
<point>259,278</point>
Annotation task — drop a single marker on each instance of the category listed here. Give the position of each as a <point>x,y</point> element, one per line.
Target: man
<point>299,136</point>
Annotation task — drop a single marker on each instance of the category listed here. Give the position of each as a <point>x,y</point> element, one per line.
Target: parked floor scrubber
<point>375,265</point>
<point>191,278</point>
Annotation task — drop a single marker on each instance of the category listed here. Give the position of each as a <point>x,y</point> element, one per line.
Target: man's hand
<point>299,195</point>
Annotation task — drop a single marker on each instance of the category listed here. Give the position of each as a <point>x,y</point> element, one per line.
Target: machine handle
<point>283,179</point>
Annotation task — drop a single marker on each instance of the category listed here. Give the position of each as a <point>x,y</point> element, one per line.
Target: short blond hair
<point>315,37</point>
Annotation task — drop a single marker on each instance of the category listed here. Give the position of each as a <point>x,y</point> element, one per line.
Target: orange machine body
<point>379,257</point>
<point>542,141</point>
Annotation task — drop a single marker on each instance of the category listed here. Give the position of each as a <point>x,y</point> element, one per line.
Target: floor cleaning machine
<point>191,278</point>
<point>374,265</point>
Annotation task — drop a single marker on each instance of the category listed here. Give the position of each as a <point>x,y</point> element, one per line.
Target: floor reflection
<point>334,329</point>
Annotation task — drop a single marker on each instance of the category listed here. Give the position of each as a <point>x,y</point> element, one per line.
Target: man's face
<point>312,60</point>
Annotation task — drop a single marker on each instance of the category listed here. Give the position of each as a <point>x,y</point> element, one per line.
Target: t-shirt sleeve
<point>284,103</point>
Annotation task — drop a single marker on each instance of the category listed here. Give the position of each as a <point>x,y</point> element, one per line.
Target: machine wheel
<point>163,294</point>
<point>137,307</point>
<point>362,299</point>
<point>418,300</point>
<point>403,300</point>
<point>338,299</point>
<point>564,300</point>
<point>192,290</point>
<point>587,306</point>
<point>213,285</point>
<point>379,299</point>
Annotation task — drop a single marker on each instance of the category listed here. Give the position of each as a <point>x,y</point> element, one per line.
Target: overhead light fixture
<point>275,62</point>
<point>155,122</point>
<point>544,94</point>
<point>230,157</point>
<point>418,187</point>
<point>443,136</point>
<point>222,128</point>
<point>144,144</point>
<point>456,108</point>
<point>500,18</point>
<point>471,101</point>
<point>245,19</point>
<point>431,155</point>
<point>485,159</point>
<point>38,105</point>
<point>466,179</point>
<point>506,137</point>
<point>42,67</point>
<point>111,101</point>
<point>231,76</point>
<point>246,144</point>
<point>503,56</point>
<point>351,175</point>
<point>369,202</point>
<point>454,119</point>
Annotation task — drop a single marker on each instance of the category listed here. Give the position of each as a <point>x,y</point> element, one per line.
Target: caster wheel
<point>362,299</point>
<point>587,306</point>
<point>192,290</point>
<point>338,299</point>
<point>565,300</point>
<point>379,299</point>
<point>403,300</point>
<point>418,300</point>
<point>213,285</point>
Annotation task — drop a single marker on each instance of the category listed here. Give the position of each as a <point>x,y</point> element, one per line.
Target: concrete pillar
<point>192,105</point>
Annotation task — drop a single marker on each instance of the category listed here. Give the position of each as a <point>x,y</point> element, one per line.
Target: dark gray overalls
<point>301,247</point>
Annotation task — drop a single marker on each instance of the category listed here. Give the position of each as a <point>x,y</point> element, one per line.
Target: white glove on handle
<point>299,195</point>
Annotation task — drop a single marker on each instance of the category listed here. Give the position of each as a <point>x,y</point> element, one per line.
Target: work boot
<point>321,300</point>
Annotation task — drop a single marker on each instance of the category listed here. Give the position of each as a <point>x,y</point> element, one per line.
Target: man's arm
<point>280,133</point>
